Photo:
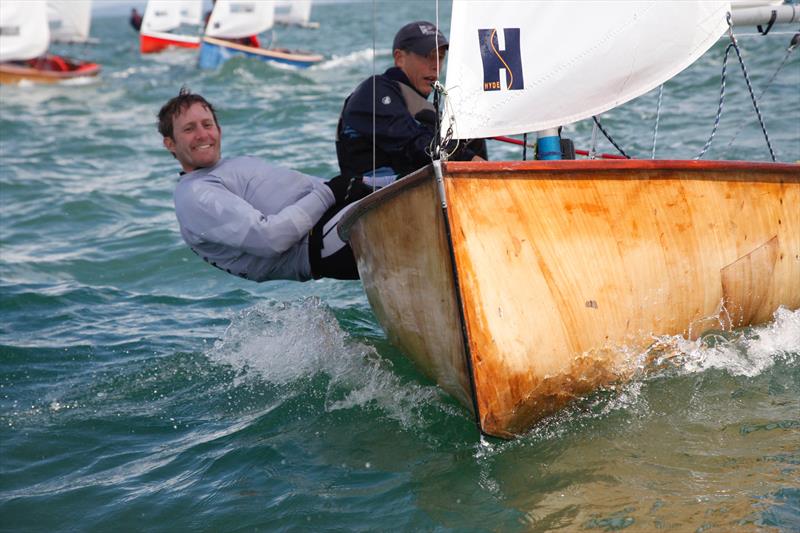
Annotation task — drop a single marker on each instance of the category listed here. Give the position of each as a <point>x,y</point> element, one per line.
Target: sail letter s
<point>494,59</point>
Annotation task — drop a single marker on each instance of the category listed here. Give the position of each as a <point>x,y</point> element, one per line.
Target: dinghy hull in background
<point>15,73</point>
<point>154,42</point>
<point>214,52</point>
<point>562,273</point>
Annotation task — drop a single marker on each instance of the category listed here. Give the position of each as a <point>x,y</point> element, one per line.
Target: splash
<point>359,57</point>
<point>285,343</point>
<point>747,352</point>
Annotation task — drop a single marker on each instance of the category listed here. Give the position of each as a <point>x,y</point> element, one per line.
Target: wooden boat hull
<point>547,280</point>
<point>150,43</point>
<point>214,52</point>
<point>15,73</point>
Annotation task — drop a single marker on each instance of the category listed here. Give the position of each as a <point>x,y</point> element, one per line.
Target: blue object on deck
<point>548,147</point>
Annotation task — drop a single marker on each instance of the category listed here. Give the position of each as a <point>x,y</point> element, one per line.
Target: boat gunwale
<point>302,57</point>
<point>778,171</point>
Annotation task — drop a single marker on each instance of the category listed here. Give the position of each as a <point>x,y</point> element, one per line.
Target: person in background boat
<point>248,217</point>
<point>404,119</point>
<point>251,40</point>
<point>136,19</point>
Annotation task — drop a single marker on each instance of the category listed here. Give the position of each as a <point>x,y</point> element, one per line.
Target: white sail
<point>293,12</point>
<point>233,19</point>
<point>161,15</point>
<point>518,67</point>
<point>191,12</point>
<point>70,20</point>
<point>24,33</point>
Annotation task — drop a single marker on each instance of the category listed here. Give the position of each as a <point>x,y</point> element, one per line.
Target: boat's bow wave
<point>293,344</point>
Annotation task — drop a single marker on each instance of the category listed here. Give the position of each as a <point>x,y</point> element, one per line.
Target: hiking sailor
<point>248,217</point>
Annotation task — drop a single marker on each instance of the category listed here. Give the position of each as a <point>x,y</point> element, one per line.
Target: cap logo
<point>386,100</point>
<point>427,29</point>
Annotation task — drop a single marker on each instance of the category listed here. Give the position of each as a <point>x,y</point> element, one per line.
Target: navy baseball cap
<point>419,37</point>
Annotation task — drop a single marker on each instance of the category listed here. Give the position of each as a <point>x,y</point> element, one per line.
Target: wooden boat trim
<point>265,52</point>
<point>566,166</point>
<point>10,73</point>
<point>596,165</point>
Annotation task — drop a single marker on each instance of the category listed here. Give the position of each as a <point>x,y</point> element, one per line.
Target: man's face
<point>197,136</point>
<point>421,70</point>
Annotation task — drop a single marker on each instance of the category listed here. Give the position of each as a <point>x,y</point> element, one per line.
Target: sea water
<point>141,389</point>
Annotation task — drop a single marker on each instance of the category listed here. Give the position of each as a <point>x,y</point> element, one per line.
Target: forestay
<point>69,20</point>
<point>233,19</point>
<point>518,67</point>
<point>23,29</point>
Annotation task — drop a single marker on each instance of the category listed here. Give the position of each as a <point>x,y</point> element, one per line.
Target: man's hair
<point>177,105</point>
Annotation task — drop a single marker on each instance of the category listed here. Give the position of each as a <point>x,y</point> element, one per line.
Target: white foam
<point>358,57</point>
<point>748,352</point>
<point>288,342</point>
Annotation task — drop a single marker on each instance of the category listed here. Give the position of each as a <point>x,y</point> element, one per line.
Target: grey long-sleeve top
<point>251,218</point>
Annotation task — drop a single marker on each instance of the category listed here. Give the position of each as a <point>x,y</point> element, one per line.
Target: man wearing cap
<point>403,119</point>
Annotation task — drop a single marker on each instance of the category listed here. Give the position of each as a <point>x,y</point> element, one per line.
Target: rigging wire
<point>374,150</point>
<point>602,129</point>
<point>658,115</point>
<point>792,45</point>
<point>735,45</point>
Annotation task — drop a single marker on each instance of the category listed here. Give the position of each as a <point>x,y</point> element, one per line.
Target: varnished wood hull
<point>544,277</point>
<point>11,73</point>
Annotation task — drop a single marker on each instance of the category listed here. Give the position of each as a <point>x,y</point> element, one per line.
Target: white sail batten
<point>69,20</point>
<point>233,19</point>
<point>517,67</point>
<point>293,12</point>
<point>24,33</point>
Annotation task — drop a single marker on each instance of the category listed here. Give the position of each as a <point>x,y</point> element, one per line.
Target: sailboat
<point>520,286</point>
<point>161,17</point>
<point>24,40</point>
<point>69,20</point>
<point>237,20</point>
<point>294,13</point>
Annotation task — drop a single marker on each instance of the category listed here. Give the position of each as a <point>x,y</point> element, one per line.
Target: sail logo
<point>509,59</point>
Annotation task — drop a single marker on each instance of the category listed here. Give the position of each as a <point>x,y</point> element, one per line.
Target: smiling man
<point>404,119</point>
<point>248,217</point>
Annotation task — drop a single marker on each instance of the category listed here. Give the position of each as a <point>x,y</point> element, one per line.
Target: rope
<point>734,44</point>
<point>750,89</point>
<point>658,115</point>
<point>609,138</point>
<point>789,50</point>
<point>721,103</point>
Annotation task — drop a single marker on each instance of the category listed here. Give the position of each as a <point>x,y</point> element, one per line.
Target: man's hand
<point>340,186</point>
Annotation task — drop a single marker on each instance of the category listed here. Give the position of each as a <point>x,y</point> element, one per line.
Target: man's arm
<point>211,213</point>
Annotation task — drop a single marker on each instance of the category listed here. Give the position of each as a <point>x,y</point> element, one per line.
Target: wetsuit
<point>253,219</point>
<point>404,128</point>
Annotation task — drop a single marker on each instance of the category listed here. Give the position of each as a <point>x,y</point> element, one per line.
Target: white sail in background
<point>161,15</point>
<point>518,67</point>
<point>70,20</point>
<point>191,12</point>
<point>293,12</point>
<point>24,33</point>
<point>233,19</point>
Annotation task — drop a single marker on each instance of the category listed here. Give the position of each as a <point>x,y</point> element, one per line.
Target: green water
<point>141,389</point>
